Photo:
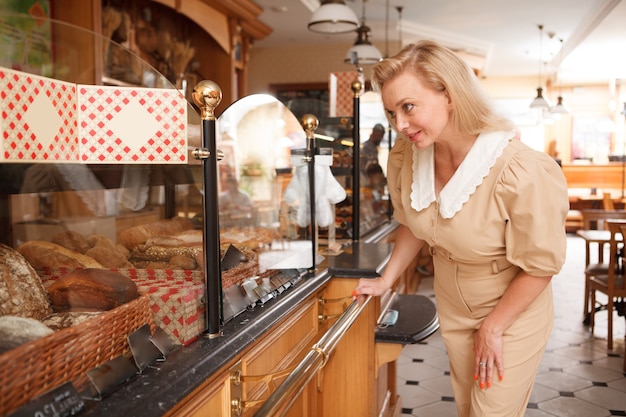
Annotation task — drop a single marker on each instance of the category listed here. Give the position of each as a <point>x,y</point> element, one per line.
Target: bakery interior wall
<point>312,64</point>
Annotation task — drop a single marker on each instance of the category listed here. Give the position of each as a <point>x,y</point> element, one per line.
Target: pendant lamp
<point>363,52</point>
<point>333,16</point>
<point>540,102</point>
<point>559,107</point>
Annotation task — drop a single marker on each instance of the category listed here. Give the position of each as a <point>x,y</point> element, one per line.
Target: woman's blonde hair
<point>442,70</point>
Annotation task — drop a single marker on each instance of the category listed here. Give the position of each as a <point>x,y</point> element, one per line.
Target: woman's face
<point>420,113</point>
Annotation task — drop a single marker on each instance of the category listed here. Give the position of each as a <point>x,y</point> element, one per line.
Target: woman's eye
<point>392,114</point>
<point>407,107</point>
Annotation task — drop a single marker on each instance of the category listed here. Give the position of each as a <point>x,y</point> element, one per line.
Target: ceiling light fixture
<point>363,52</point>
<point>333,16</point>
<point>539,101</point>
<point>559,107</point>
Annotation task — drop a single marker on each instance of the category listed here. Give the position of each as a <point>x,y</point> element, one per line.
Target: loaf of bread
<point>91,290</point>
<point>41,254</point>
<point>163,253</point>
<point>109,257</point>
<point>60,321</point>
<point>21,290</point>
<point>71,240</point>
<point>15,331</point>
<point>137,235</point>
<point>100,240</point>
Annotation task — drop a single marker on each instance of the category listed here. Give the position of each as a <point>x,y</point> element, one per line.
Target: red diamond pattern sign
<point>47,120</point>
<point>132,125</point>
<point>39,121</point>
<point>341,101</point>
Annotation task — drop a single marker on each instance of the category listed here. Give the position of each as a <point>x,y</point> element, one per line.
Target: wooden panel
<point>594,176</point>
<point>212,401</point>
<point>282,348</point>
<point>347,386</point>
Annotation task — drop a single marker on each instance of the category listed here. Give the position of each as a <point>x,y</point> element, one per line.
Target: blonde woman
<point>493,212</point>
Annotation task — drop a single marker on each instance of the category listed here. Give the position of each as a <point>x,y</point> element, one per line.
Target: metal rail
<point>281,400</point>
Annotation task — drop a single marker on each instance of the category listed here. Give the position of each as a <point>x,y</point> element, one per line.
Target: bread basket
<point>36,367</point>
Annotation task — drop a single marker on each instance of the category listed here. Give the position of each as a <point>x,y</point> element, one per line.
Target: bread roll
<point>182,262</point>
<point>59,321</point>
<point>41,254</point>
<point>71,240</point>
<point>21,291</point>
<point>137,235</point>
<point>100,240</point>
<point>91,290</point>
<point>109,257</point>
<point>190,236</point>
<point>15,331</point>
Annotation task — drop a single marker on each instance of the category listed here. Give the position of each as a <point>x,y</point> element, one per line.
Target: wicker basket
<point>36,367</point>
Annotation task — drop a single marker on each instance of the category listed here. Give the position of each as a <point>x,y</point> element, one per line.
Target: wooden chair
<point>595,219</point>
<point>607,201</point>
<point>622,306</point>
<point>612,282</point>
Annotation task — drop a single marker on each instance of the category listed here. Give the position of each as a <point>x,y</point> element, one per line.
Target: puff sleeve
<point>394,176</point>
<point>532,197</point>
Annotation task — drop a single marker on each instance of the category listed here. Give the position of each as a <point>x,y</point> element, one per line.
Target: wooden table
<point>599,237</point>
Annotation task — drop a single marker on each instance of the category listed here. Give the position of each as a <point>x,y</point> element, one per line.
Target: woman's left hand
<point>487,356</point>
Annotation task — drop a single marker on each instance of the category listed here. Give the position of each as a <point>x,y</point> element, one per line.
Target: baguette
<point>41,254</point>
<point>140,234</point>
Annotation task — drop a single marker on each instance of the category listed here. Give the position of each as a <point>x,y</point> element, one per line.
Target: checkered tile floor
<point>578,376</point>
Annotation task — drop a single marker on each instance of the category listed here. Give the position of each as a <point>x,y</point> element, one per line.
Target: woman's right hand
<point>371,286</point>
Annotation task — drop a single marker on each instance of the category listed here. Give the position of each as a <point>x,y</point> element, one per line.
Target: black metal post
<point>207,95</point>
<point>356,163</point>
<point>389,205</point>
<point>310,123</point>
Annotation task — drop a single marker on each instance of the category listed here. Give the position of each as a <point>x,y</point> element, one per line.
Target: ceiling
<point>499,38</point>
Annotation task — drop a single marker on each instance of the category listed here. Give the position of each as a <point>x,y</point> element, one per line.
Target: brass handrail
<point>281,400</point>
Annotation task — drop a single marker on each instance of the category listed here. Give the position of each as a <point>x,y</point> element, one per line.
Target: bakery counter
<point>163,386</point>
<point>267,339</point>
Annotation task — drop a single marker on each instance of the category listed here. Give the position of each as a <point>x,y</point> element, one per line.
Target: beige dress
<point>503,211</point>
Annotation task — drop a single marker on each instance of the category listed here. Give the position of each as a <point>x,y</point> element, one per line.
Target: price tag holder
<point>62,401</point>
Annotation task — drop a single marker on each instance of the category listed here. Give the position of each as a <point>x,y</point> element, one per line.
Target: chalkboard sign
<point>62,401</point>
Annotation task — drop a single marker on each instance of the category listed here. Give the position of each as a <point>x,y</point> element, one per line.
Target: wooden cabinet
<point>220,31</point>
<point>212,400</point>
<point>347,383</point>
<point>267,364</point>
<point>358,379</point>
<point>242,388</point>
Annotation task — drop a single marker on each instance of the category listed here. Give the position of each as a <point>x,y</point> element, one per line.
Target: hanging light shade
<point>363,52</point>
<point>333,16</point>
<point>559,107</point>
<point>540,102</point>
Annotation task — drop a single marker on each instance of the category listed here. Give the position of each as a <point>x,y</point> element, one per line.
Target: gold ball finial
<point>309,124</point>
<point>207,95</point>
<point>356,86</point>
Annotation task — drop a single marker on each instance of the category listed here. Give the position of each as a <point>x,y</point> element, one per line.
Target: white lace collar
<point>470,174</point>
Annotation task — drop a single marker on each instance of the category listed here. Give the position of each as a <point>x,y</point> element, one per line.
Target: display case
<point>107,177</point>
<point>114,178</point>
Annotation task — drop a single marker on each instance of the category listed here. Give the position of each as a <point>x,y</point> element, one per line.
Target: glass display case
<point>100,174</point>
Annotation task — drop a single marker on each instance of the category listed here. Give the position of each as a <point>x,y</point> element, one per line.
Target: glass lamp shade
<point>363,52</point>
<point>333,17</point>
<point>559,107</point>
<point>540,102</point>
